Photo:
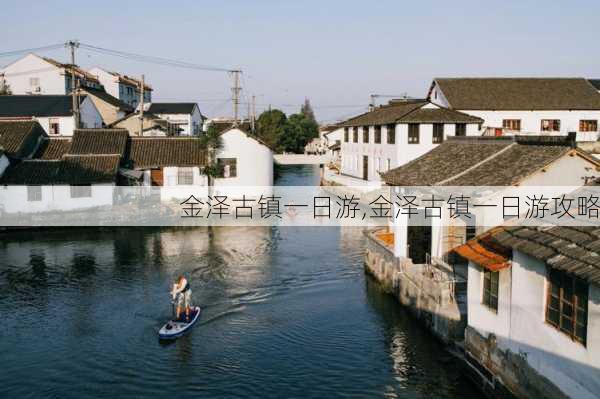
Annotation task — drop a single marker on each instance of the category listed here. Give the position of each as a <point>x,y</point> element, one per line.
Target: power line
<point>31,50</point>
<point>153,59</point>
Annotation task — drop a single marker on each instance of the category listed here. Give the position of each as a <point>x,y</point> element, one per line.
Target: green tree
<point>212,143</point>
<point>299,131</point>
<point>307,111</point>
<point>270,127</point>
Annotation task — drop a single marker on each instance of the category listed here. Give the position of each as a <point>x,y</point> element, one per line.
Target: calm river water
<point>288,312</point>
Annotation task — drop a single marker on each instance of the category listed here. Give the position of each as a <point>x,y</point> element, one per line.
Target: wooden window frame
<point>553,123</point>
<point>460,128</point>
<point>414,133</point>
<point>377,138</point>
<point>437,136</point>
<point>514,125</point>
<point>558,301</point>
<point>588,125</point>
<point>355,134</point>
<point>490,295</point>
<point>346,135</point>
<point>365,134</point>
<point>391,134</point>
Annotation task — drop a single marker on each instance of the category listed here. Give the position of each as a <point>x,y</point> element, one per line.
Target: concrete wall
<point>191,124</point>
<point>18,74</point>
<point>519,329</point>
<point>65,124</point>
<point>13,199</point>
<point>428,293</point>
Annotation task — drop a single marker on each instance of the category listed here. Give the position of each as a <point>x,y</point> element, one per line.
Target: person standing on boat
<point>182,292</point>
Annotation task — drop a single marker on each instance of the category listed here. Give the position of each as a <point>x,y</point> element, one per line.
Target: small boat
<point>176,328</point>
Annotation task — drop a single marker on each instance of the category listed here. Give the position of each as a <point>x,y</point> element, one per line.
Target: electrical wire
<point>153,59</point>
<point>31,50</point>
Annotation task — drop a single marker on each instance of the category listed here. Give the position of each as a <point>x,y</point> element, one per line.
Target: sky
<point>335,53</point>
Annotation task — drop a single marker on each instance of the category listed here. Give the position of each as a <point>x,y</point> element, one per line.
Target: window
<point>512,124</point>
<point>391,134</point>
<point>83,191</point>
<point>490,289</point>
<point>130,91</point>
<point>550,125</point>
<point>566,305</point>
<point>588,125</point>
<point>461,130</point>
<point>54,126</point>
<point>185,176</point>
<point>34,193</point>
<point>227,166</point>
<point>365,134</point>
<point>346,135</point>
<point>413,133</point>
<point>438,133</point>
<point>34,82</point>
<point>355,134</point>
<point>377,134</point>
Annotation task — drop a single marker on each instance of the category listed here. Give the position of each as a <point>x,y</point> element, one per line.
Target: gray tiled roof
<point>573,249</point>
<point>171,108</point>
<point>70,169</point>
<point>36,105</point>
<point>155,152</point>
<point>480,161</point>
<point>519,93</point>
<point>99,141</point>
<point>53,148</point>
<point>19,138</point>
<point>409,111</point>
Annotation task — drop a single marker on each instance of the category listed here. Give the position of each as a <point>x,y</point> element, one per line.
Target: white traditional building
<point>534,310</point>
<point>551,106</point>
<point>53,112</point>
<point>33,74</point>
<point>186,117</point>
<point>394,134</point>
<point>333,136</point>
<point>524,161</point>
<point>123,87</point>
<point>245,160</point>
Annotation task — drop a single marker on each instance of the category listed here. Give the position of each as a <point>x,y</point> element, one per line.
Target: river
<point>288,312</point>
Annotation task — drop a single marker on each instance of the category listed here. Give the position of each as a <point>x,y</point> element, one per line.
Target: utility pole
<point>73,44</point>
<point>235,90</point>
<point>142,107</point>
<point>253,118</point>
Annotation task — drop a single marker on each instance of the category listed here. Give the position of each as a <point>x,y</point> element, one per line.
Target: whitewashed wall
<point>520,326</point>
<point>90,117</point>
<point>398,154</point>
<point>188,119</point>
<point>254,160</point>
<point>54,198</point>
<point>531,121</point>
<point>65,124</point>
<point>18,74</point>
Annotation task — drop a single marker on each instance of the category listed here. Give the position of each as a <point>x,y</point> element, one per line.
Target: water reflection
<point>287,313</point>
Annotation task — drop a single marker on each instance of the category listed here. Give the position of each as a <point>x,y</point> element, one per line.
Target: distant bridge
<point>301,159</point>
